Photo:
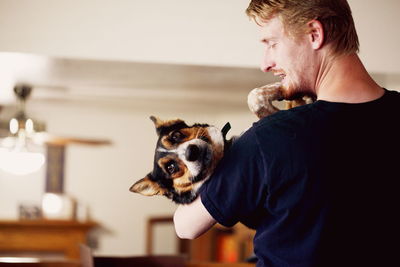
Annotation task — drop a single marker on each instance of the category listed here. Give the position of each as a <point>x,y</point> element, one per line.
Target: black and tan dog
<point>186,156</point>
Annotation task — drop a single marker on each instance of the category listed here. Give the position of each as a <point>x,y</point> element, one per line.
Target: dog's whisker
<point>198,132</point>
<point>163,150</point>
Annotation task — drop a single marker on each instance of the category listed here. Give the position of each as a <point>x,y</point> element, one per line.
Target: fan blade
<point>81,141</point>
<point>45,138</point>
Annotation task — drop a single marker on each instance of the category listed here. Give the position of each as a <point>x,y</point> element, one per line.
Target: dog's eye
<point>176,136</point>
<point>205,139</point>
<point>171,167</point>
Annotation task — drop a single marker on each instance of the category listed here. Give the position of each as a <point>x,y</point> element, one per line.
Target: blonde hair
<point>334,15</point>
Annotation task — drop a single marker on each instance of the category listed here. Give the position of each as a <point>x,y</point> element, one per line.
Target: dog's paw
<point>260,99</point>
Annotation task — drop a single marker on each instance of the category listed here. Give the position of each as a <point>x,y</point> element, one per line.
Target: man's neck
<point>344,79</point>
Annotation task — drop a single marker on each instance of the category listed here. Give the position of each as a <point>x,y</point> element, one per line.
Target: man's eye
<point>172,167</point>
<point>176,136</point>
<point>272,45</point>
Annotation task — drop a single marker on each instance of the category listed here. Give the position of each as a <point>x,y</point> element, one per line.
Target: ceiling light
<point>18,154</point>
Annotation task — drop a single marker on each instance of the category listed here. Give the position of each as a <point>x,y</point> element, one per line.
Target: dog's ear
<point>163,127</point>
<point>157,122</point>
<point>147,187</point>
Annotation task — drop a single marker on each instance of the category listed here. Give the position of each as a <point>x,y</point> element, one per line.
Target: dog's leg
<point>295,103</point>
<point>260,99</point>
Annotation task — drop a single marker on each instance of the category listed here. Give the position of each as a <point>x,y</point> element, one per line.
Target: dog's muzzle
<point>193,153</point>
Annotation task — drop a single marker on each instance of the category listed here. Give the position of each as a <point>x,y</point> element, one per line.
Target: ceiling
<point>62,79</point>
<point>124,83</point>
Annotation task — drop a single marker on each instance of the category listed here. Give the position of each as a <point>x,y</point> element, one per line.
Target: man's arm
<point>192,220</point>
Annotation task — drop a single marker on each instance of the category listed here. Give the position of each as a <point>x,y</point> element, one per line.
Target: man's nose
<point>267,64</point>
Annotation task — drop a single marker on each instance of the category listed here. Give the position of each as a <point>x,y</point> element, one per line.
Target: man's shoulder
<point>278,131</point>
<point>285,120</point>
<point>393,95</point>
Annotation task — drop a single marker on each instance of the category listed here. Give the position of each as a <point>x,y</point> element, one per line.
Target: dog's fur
<point>186,156</point>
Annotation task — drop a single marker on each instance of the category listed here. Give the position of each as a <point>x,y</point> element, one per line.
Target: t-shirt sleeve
<point>238,186</point>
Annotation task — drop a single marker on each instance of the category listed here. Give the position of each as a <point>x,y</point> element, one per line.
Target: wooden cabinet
<point>43,237</point>
<point>219,244</point>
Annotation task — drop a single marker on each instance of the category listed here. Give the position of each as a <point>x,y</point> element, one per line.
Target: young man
<point>317,182</point>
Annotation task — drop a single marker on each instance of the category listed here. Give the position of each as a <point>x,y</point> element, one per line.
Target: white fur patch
<point>216,135</point>
<point>197,186</point>
<point>193,166</point>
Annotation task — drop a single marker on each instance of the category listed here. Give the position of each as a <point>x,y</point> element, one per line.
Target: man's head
<point>298,34</point>
<point>334,15</point>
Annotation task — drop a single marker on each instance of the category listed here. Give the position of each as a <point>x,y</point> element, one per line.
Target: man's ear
<point>147,187</point>
<point>316,34</point>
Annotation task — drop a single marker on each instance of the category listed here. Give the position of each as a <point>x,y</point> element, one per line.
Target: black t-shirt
<point>317,182</point>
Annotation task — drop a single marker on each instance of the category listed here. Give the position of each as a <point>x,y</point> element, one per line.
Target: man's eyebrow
<point>267,40</point>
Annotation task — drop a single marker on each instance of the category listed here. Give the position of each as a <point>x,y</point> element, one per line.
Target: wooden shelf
<point>43,237</point>
<point>224,245</point>
<point>44,222</point>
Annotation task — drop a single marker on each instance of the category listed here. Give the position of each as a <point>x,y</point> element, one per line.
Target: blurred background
<point>96,70</point>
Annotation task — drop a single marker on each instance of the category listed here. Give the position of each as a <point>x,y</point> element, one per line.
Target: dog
<point>186,156</point>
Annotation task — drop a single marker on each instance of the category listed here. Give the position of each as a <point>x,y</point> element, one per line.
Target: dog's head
<point>185,157</point>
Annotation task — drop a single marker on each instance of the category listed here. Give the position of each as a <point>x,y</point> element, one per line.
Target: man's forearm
<point>192,220</point>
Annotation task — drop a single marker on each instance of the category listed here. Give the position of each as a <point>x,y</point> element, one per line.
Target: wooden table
<point>43,236</point>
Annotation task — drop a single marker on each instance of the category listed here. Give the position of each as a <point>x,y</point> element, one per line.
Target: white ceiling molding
<point>94,80</point>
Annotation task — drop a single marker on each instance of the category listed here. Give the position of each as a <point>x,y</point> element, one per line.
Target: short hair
<point>334,15</point>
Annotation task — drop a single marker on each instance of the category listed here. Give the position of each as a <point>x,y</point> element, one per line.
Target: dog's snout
<point>192,153</point>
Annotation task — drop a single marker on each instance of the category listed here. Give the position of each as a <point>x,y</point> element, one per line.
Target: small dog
<point>186,156</point>
<point>184,159</point>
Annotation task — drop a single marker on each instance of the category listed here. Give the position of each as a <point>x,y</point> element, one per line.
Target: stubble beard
<point>293,90</point>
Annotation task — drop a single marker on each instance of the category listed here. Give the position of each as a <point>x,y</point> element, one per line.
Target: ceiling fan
<point>22,133</point>
<point>35,130</point>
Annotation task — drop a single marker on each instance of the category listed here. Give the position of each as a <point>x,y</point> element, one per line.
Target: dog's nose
<point>192,153</point>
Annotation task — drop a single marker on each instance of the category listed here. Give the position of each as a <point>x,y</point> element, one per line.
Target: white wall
<point>182,31</point>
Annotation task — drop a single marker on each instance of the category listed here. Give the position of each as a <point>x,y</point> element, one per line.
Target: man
<point>317,182</point>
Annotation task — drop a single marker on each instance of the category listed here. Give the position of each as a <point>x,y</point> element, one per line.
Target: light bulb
<point>29,126</point>
<point>14,126</point>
